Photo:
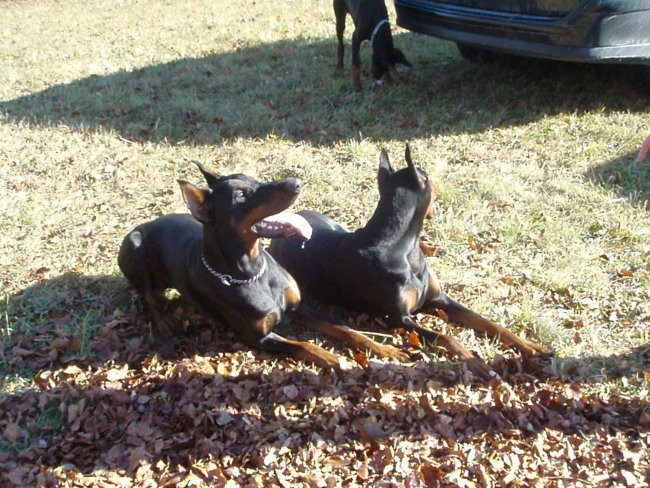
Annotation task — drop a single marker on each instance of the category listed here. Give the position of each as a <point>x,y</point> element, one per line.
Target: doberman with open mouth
<point>380,268</point>
<point>214,259</point>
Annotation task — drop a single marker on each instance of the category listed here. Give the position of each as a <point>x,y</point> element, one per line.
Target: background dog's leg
<point>315,319</point>
<point>356,60</point>
<point>340,11</point>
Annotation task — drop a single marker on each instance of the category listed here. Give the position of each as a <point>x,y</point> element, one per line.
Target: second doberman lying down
<point>380,268</point>
<point>214,259</point>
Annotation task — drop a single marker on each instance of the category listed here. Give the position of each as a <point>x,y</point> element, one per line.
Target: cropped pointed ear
<point>419,180</point>
<point>197,200</point>
<point>385,169</point>
<point>210,177</point>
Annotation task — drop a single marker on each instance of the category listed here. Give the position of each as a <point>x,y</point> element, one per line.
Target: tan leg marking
<point>292,294</point>
<point>410,298</point>
<point>352,337</point>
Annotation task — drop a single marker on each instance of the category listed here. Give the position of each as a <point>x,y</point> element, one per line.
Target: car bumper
<point>598,31</point>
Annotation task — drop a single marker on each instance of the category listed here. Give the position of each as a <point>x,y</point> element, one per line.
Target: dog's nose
<point>294,184</point>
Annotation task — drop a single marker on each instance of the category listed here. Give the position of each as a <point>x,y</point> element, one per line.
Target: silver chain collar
<point>228,280</point>
<point>374,32</point>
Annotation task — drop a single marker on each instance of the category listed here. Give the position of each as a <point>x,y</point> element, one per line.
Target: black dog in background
<point>371,24</point>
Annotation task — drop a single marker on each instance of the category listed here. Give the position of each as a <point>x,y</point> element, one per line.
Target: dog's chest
<point>268,304</point>
<point>268,299</point>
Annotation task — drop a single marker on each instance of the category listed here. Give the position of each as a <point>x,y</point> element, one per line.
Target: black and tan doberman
<point>380,268</point>
<point>214,259</point>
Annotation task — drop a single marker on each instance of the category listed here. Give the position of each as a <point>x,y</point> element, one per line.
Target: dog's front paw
<point>478,367</point>
<point>387,351</point>
<point>529,348</point>
<point>320,357</point>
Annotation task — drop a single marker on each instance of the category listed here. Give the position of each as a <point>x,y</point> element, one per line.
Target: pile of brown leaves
<point>205,411</point>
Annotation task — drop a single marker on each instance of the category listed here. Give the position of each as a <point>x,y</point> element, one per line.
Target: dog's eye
<point>239,196</point>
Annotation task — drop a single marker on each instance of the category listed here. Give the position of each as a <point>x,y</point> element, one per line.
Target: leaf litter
<point>206,411</point>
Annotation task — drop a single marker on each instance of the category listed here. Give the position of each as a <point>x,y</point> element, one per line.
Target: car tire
<point>476,54</point>
<point>644,76</point>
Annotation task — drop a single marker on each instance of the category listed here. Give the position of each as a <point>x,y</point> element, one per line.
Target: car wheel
<point>476,54</point>
<point>644,76</point>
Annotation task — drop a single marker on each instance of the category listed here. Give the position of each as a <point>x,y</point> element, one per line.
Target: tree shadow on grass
<point>626,177</point>
<point>290,89</point>
<point>193,402</point>
<point>190,413</point>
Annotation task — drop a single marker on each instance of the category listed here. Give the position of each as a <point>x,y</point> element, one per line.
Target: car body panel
<point>613,31</point>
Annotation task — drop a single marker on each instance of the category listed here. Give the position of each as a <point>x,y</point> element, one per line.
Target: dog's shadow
<point>290,89</point>
<point>95,321</point>
<point>91,321</point>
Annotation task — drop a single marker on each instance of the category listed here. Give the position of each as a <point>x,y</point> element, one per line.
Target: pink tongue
<point>283,224</point>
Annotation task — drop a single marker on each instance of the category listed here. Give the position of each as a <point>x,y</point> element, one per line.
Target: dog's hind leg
<point>165,324</point>
<point>340,11</point>
<point>321,322</point>
<point>132,260</point>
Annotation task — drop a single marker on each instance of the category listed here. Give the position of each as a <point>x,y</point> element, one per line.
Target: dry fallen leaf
<point>508,280</point>
<point>11,432</point>
<point>361,359</point>
<point>291,392</point>
<point>116,374</point>
<point>431,475</point>
<point>371,433</point>
<point>414,339</point>
<point>576,324</point>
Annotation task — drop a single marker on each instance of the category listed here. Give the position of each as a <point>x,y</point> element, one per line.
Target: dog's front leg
<point>340,12</point>
<point>356,60</point>
<point>474,364</point>
<point>300,350</point>
<point>315,319</point>
<point>461,315</point>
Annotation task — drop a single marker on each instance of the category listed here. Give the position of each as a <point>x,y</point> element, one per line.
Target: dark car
<point>607,31</point>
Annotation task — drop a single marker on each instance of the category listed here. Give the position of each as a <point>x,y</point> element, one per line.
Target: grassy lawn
<point>542,224</point>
